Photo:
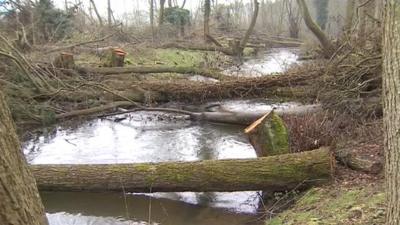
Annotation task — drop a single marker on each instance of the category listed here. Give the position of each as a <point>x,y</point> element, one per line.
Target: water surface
<point>275,60</point>
<point>155,137</point>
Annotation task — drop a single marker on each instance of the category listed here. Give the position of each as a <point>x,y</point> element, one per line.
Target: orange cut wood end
<point>255,123</point>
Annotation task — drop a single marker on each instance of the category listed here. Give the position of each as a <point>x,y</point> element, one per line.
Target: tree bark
<point>161,14</point>
<point>20,202</point>
<point>207,9</point>
<point>326,44</point>
<point>391,110</point>
<point>109,12</point>
<point>282,172</point>
<point>246,36</point>
<point>152,19</point>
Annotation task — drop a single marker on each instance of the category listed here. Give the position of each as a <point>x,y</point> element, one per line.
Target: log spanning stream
<point>150,137</point>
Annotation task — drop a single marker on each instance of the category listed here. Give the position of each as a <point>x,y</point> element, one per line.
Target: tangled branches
<point>352,82</point>
<point>291,84</point>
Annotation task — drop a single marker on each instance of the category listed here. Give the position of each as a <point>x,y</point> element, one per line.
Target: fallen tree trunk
<point>240,118</point>
<point>197,47</point>
<point>69,47</point>
<point>285,85</point>
<point>153,69</point>
<point>246,118</point>
<point>281,172</point>
<point>83,112</point>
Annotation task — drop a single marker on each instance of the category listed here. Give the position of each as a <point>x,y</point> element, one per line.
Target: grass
<point>161,57</point>
<point>171,57</point>
<point>341,205</point>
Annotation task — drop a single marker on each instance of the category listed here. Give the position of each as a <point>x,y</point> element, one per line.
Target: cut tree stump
<point>282,172</point>
<point>115,58</point>
<point>269,135</point>
<point>64,60</point>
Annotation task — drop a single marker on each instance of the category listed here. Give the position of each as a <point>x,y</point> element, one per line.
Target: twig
<point>81,43</point>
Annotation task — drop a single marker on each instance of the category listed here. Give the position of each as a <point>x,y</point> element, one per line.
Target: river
<point>152,137</point>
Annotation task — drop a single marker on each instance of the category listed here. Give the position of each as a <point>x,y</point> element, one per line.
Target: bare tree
<point>152,18</point>
<point>96,12</point>
<point>207,9</point>
<point>326,44</point>
<point>293,17</point>
<point>109,13</point>
<point>391,103</point>
<point>161,13</point>
<point>246,36</point>
<point>20,202</point>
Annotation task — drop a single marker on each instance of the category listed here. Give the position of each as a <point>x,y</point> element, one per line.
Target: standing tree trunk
<point>96,12</point>
<point>152,19</point>
<point>161,14</point>
<point>109,12</point>
<point>20,202</point>
<point>246,36</point>
<point>207,9</point>
<point>293,17</point>
<point>326,44</point>
<point>349,16</point>
<point>391,110</point>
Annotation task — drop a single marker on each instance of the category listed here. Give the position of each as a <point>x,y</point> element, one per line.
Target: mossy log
<point>282,172</point>
<point>154,69</point>
<point>269,135</point>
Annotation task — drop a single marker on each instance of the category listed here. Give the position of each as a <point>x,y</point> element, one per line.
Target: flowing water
<point>275,60</point>
<point>147,137</point>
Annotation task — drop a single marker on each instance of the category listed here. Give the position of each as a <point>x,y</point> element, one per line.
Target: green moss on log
<point>273,173</point>
<point>270,136</point>
<point>277,135</point>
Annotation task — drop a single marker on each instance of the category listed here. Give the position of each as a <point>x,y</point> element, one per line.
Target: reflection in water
<point>135,140</point>
<point>114,208</point>
<point>275,60</point>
